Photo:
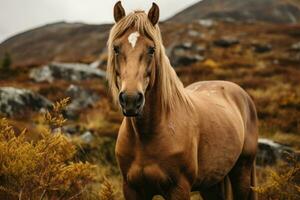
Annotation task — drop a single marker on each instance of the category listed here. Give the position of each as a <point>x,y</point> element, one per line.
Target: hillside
<point>278,11</point>
<point>59,41</point>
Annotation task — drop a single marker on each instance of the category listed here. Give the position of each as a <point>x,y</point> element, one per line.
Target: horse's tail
<point>253,194</point>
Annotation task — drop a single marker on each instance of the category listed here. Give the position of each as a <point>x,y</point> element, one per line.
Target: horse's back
<point>230,95</point>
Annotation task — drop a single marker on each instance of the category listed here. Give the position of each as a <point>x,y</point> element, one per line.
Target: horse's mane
<point>168,81</point>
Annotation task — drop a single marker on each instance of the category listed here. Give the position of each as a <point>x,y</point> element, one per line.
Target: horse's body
<point>175,139</point>
<point>203,145</point>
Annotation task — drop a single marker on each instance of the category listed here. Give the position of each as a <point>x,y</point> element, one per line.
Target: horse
<point>174,140</point>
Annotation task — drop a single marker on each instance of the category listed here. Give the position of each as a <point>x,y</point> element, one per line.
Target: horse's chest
<point>150,174</point>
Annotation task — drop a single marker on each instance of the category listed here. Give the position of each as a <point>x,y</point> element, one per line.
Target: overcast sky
<point>20,15</point>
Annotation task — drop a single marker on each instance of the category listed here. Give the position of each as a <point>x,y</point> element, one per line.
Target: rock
<point>80,98</point>
<point>187,60</point>
<point>269,152</point>
<point>206,22</point>
<point>185,54</point>
<point>95,64</point>
<point>71,129</point>
<point>194,33</point>
<point>226,42</point>
<point>16,101</point>
<point>296,46</point>
<point>261,48</point>
<point>66,71</point>
<point>41,74</point>
<point>87,137</point>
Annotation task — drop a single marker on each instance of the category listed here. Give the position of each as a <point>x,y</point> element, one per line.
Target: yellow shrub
<point>44,168</point>
<point>282,182</point>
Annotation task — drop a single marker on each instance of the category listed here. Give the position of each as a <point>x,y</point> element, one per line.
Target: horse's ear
<point>153,14</point>
<point>119,11</point>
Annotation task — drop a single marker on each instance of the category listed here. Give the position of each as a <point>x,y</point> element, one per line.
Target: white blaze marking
<point>133,37</point>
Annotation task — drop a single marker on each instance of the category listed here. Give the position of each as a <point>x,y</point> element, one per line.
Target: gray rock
<point>80,98</point>
<point>226,42</point>
<point>87,137</point>
<point>206,22</point>
<point>96,64</point>
<point>71,129</point>
<point>16,101</point>
<point>269,152</point>
<point>261,48</point>
<point>41,74</point>
<point>185,54</point>
<point>296,46</point>
<point>194,33</point>
<point>65,71</point>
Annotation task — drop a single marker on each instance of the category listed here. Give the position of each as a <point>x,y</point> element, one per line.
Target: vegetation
<point>6,63</point>
<point>281,182</point>
<point>44,168</point>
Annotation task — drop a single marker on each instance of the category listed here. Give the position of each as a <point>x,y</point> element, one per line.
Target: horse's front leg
<point>181,191</point>
<point>132,194</point>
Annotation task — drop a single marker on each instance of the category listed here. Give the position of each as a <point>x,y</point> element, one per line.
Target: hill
<point>277,11</point>
<point>59,41</point>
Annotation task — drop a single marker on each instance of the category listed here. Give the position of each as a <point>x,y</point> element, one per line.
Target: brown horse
<point>174,140</point>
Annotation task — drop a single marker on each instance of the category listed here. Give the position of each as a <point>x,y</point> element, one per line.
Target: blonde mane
<point>169,83</point>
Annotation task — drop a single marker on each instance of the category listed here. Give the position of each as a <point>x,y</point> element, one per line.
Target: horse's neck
<point>151,117</point>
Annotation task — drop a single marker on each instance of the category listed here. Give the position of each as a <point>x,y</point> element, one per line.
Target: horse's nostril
<point>140,99</point>
<point>122,98</point>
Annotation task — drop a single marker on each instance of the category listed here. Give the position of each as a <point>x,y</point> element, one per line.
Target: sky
<point>17,16</point>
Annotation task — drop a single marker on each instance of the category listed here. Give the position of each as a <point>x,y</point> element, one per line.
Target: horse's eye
<point>151,50</point>
<point>116,49</point>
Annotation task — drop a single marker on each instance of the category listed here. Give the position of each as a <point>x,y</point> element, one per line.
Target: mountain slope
<point>59,41</point>
<point>277,11</point>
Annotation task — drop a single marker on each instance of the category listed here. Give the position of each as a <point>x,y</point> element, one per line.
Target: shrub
<point>41,169</point>
<point>281,183</point>
<point>6,63</point>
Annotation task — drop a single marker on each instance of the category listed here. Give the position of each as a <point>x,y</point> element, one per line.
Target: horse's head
<point>132,57</point>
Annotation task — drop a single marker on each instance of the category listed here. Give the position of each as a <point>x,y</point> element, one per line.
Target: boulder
<point>194,33</point>
<point>296,46</point>
<point>226,42</point>
<point>208,23</point>
<point>87,137</point>
<point>269,152</point>
<point>185,54</point>
<point>80,98</point>
<point>261,48</point>
<point>66,71</point>
<point>15,101</point>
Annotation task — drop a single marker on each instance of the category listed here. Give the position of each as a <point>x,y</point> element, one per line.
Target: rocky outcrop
<point>269,152</point>
<point>185,54</point>
<point>16,101</point>
<point>261,48</point>
<point>226,42</point>
<point>66,71</point>
<point>80,98</point>
<point>296,46</point>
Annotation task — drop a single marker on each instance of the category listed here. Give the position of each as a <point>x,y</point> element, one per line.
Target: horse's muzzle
<point>131,103</point>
